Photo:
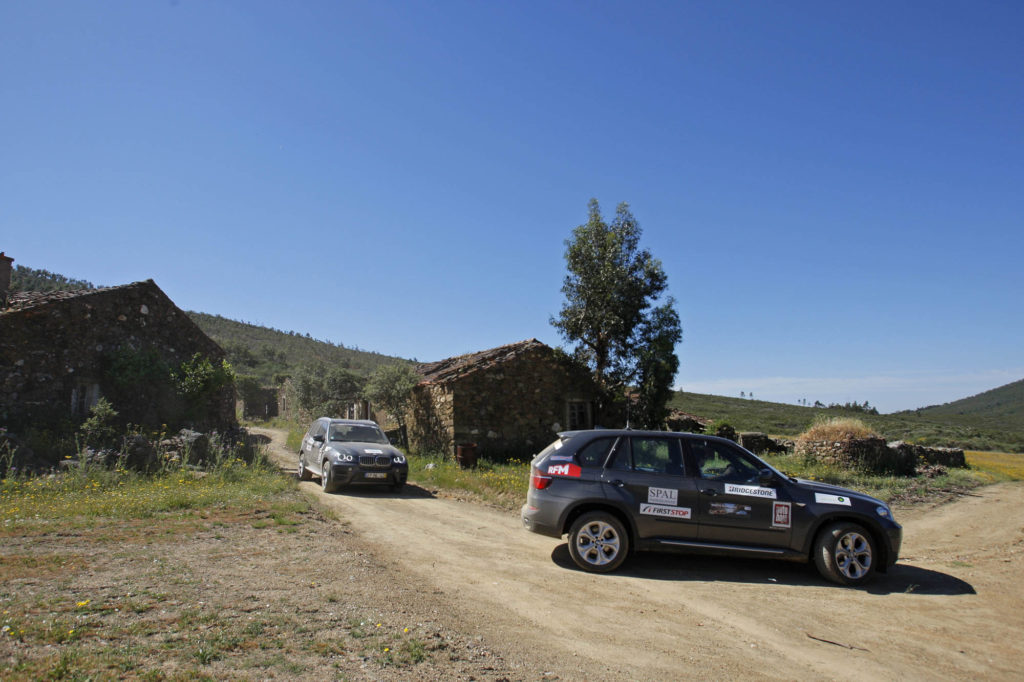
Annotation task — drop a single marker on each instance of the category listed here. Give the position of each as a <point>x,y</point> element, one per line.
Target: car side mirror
<point>318,439</point>
<point>765,477</point>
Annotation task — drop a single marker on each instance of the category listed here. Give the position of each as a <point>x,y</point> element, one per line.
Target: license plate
<point>376,475</point>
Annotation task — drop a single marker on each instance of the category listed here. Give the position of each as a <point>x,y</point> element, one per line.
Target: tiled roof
<point>450,369</point>
<point>22,300</point>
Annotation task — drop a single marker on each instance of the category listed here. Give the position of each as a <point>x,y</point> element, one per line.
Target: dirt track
<point>953,608</point>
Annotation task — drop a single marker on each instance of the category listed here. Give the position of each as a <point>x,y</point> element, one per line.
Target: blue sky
<point>836,190</point>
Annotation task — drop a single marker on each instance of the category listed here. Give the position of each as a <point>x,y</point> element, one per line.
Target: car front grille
<point>374,460</point>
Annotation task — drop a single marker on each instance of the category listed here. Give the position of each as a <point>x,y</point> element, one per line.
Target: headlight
<point>884,512</point>
<point>399,459</point>
<point>345,458</point>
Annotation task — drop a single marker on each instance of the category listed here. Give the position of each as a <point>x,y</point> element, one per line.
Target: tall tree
<point>610,290</point>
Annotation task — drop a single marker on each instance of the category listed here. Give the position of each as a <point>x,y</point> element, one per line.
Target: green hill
<point>979,430</point>
<point>270,354</point>
<point>1000,407</point>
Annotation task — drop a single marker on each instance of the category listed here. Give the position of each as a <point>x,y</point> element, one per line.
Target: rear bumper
<point>535,522</point>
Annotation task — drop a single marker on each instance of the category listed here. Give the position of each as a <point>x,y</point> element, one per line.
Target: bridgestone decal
<point>661,510</point>
<point>822,498</point>
<point>750,491</point>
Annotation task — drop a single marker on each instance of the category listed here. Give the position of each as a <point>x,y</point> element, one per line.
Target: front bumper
<point>354,474</point>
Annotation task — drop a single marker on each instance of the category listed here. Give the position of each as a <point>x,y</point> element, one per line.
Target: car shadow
<point>900,579</point>
<point>409,490</point>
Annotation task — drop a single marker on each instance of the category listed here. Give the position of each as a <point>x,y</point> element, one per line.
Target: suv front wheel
<point>598,542</point>
<point>845,553</point>
<point>327,478</point>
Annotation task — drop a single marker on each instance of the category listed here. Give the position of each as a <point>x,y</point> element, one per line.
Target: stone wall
<point>868,454</point>
<point>759,443</point>
<point>949,457</point>
<point>57,348</point>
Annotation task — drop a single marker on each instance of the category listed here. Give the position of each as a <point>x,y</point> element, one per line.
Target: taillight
<point>538,482</point>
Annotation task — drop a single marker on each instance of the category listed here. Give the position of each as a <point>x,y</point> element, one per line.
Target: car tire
<point>598,542</point>
<point>844,553</point>
<point>327,481</point>
<point>303,473</point>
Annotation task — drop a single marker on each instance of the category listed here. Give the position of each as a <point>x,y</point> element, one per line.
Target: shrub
<point>837,429</point>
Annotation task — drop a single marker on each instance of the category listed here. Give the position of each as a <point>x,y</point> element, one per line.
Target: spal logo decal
<point>570,470</point>
<point>663,496</point>
<point>750,491</point>
<point>660,510</point>
<point>822,498</point>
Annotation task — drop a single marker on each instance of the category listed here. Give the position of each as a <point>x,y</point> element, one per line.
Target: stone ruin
<point>877,456</point>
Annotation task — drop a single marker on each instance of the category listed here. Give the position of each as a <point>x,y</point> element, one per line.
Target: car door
<point>311,447</point>
<point>646,475</point>
<point>734,508</point>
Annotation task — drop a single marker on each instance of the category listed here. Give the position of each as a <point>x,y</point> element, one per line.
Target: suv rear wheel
<point>845,553</point>
<point>598,542</point>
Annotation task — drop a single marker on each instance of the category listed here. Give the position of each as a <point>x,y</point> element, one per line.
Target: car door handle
<point>618,483</point>
<point>711,492</point>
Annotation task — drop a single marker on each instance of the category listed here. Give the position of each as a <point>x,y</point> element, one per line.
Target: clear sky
<point>835,189</point>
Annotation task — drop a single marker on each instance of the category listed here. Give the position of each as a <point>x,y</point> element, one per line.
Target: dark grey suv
<point>614,492</point>
<point>350,451</point>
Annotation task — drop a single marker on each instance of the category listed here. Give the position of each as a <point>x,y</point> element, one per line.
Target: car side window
<point>620,459</point>
<point>657,455</point>
<point>594,453</point>
<point>321,429</point>
<point>720,462</point>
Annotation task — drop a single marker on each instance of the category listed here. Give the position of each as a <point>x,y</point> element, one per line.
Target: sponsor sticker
<point>571,470</point>
<point>728,509</point>
<point>749,491</point>
<point>661,510</point>
<point>822,498</point>
<point>560,458</point>
<point>371,451</point>
<point>782,515</point>
<point>663,496</point>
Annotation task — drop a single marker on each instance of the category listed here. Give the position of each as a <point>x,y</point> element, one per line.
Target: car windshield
<point>357,433</point>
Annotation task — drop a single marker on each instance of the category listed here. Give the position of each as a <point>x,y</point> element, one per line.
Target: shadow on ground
<point>901,579</point>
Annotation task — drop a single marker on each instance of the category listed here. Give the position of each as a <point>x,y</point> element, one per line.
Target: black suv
<point>348,451</point>
<point>616,491</point>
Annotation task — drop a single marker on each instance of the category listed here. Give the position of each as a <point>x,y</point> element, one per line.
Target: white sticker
<point>749,491</point>
<point>660,510</point>
<point>560,458</point>
<point>373,452</point>
<point>822,498</point>
<point>663,496</point>
<point>782,515</point>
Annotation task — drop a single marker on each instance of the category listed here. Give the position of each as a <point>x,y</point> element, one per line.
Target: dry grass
<point>837,429</point>
<point>1007,464</point>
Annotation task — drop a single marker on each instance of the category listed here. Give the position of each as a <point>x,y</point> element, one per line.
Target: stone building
<point>509,401</point>
<point>61,351</point>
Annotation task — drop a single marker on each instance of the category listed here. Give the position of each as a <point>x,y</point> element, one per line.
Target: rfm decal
<point>570,470</point>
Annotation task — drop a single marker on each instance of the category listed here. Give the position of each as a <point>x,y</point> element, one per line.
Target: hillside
<point>261,352</point>
<point>977,431</point>
<point>269,354</point>
<point>999,407</point>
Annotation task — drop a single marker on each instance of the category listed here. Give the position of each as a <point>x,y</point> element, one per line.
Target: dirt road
<point>953,608</point>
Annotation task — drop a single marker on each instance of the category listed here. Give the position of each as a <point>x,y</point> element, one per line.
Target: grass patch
<point>1001,464</point>
<point>837,429</point>
<point>503,485</point>
<point>892,489</point>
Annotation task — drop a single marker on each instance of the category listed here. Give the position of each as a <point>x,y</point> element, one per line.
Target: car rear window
<point>594,453</point>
